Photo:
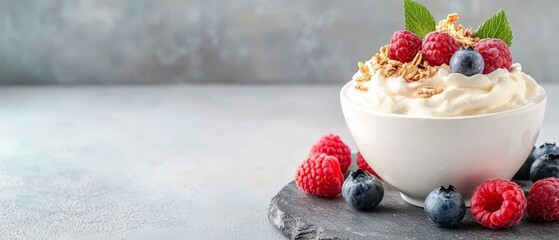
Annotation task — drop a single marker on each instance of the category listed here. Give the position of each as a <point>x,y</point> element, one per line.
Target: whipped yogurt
<point>461,95</point>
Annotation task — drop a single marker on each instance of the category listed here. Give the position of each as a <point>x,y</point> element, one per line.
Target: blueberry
<point>362,190</point>
<point>524,171</point>
<point>445,206</point>
<point>467,61</point>
<point>546,148</point>
<point>544,167</point>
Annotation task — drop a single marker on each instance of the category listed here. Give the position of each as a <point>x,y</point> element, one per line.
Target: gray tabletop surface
<point>160,162</point>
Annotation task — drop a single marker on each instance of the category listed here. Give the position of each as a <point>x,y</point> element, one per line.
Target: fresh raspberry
<point>404,46</point>
<point>496,54</point>
<point>438,48</point>
<point>543,200</point>
<point>498,203</point>
<point>361,163</point>
<point>332,145</point>
<point>320,175</point>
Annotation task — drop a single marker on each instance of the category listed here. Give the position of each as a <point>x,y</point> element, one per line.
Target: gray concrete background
<point>242,41</point>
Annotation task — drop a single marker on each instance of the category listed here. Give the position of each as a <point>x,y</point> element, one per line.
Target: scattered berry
<point>498,203</point>
<point>467,62</point>
<point>362,190</point>
<point>320,175</point>
<point>361,163</point>
<point>543,201</point>
<point>404,46</point>
<point>445,206</point>
<point>546,148</point>
<point>524,171</point>
<point>496,54</point>
<point>438,48</point>
<point>544,167</point>
<point>332,145</point>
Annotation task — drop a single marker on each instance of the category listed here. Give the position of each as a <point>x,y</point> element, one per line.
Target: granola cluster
<point>464,36</point>
<point>427,91</point>
<point>411,71</point>
<point>415,70</point>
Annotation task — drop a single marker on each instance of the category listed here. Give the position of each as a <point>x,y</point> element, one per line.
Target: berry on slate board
<point>445,206</point>
<point>467,62</point>
<point>332,145</point>
<point>438,48</point>
<point>496,54</point>
<point>544,167</point>
<point>498,203</point>
<point>320,175</point>
<point>543,203</point>
<point>362,191</point>
<point>546,148</point>
<point>361,163</point>
<point>524,172</point>
<point>404,46</point>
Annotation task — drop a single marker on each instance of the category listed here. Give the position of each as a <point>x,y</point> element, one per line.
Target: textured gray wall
<point>242,41</point>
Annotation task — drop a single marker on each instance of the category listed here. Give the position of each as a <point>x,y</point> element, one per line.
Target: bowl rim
<point>540,99</point>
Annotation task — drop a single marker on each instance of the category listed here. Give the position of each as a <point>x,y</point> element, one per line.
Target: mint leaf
<point>496,26</point>
<point>418,19</point>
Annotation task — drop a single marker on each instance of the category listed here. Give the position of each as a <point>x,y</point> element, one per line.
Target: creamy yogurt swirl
<point>461,95</point>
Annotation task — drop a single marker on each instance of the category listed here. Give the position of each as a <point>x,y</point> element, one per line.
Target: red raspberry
<point>438,48</point>
<point>498,203</point>
<point>320,175</point>
<point>496,54</point>
<point>332,145</point>
<point>543,201</point>
<point>404,46</point>
<point>361,163</point>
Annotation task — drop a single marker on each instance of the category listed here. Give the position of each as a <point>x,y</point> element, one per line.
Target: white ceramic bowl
<point>417,154</point>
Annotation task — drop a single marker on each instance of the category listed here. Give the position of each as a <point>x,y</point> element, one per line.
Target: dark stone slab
<point>302,216</point>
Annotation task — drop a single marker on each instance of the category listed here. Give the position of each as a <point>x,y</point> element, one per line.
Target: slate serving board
<point>301,216</point>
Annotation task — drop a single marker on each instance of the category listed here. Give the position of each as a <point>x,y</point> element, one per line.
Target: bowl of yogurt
<point>447,129</point>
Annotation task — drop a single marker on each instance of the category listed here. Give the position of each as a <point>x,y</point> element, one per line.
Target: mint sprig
<point>418,19</point>
<point>496,26</point>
